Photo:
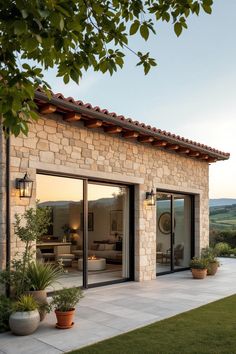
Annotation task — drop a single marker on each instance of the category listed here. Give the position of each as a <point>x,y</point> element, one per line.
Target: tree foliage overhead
<point>73,36</point>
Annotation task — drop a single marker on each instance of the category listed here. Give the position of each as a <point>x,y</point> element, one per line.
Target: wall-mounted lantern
<point>25,186</point>
<point>150,198</point>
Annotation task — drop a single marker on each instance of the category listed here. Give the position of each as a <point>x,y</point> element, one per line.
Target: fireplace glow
<point>92,257</point>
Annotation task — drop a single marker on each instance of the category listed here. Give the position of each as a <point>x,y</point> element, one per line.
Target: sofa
<point>111,251</point>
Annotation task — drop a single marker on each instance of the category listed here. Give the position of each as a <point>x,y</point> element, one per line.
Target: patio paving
<point>112,310</point>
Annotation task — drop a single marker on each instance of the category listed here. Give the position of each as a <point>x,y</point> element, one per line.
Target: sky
<point>192,91</point>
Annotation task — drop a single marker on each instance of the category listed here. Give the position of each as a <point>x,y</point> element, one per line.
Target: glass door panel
<point>182,231</point>
<point>63,241</point>
<point>163,236</point>
<point>108,233</point>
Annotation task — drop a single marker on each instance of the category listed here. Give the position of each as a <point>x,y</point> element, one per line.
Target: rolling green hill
<point>223,218</point>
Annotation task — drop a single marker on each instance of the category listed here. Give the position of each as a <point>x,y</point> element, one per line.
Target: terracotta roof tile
<point>134,122</point>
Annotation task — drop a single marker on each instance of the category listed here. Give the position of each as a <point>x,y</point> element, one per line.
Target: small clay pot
<point>212,268</point>
<point>65,319</point>
<point>199,273</point>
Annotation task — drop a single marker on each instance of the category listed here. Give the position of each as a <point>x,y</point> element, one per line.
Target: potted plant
<point>39,277</point>
<point>25,317</point>
<point>64,302</point>
<point>199,267</point>
<point>29,227</point>
<point>209,254</point>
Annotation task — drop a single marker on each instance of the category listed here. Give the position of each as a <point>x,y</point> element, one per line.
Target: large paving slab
<point>112,310</point>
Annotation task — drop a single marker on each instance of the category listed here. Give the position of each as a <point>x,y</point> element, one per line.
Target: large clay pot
<point>65,319</point>
<point>212,268</point>
<point>41,297</point>
<point>199,273</point>
<point>24,323</point>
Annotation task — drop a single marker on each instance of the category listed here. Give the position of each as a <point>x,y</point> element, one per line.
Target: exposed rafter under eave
<point>87,113</point>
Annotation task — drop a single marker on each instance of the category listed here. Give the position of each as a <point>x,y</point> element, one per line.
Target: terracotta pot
<point>24,323</point>
<point>41,297</point>
<point>65,319</point>
<point>212,268</point>
<point>199,273</point>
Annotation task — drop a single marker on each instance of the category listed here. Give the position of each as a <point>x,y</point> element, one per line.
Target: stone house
<point>128,201</point>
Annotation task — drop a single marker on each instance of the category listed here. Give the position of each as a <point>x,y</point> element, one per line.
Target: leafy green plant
<point>72,37</point>
<point>222,249</point>
<point>25,303</point>
<point>29,227</point>
<point>198,263</point>
<point>66,299</point>
<point>209,254</point>
<point>5,312</point>
<point>41,275</point>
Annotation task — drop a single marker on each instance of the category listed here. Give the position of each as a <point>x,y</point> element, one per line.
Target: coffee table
<point>93,264</point>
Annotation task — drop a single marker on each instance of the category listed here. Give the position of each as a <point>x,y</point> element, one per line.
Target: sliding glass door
<point>90,233</point>
<point>108,233</point>
<point>174,231</point>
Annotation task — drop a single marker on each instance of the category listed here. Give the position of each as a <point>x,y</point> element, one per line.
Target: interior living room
<point>108,229</point>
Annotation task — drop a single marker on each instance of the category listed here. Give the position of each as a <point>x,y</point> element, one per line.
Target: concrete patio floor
<point>112,310</point>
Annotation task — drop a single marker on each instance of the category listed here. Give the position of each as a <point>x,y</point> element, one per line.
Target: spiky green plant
<point>25,303</point>
<point>41,275</point>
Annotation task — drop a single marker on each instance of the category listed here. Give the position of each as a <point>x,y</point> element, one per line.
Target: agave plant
<point>41,275</point>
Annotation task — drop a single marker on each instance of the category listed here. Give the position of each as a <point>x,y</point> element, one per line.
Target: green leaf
<point>134,27</point>
<point>20,27</point>
<point>144,31</point>
<point>178,28</point>
<point>207,9</point>
<point>66,78</point>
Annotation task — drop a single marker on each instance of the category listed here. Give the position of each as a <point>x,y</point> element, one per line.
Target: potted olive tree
<point>199,267</point>
<point>29,227</point>
<point>64,301</point>
<point>25,317</point>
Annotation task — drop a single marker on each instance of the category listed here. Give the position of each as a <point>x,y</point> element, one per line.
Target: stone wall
<point>2,203</point>
<point>56,146</point>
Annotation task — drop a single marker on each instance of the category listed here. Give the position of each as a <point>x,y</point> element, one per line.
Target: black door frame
<point>85,224</point>
<point>172,234</point>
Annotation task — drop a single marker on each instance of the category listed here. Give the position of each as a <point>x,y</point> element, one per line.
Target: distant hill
<point>221,202</point>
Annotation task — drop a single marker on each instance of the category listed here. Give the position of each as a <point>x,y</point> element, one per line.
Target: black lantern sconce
<point>150,198</point>
<point>25,186</point>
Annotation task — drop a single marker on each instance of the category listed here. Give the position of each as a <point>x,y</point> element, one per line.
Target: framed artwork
<point>164,223</point>
<point>116,221</point>
<point>90,221</point>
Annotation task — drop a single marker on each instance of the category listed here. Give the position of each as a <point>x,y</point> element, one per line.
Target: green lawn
<point>210,329</point>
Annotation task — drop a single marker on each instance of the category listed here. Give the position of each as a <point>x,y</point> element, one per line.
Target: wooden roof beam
<point>183,150</point>
<point>93,123</point>
<point>113,130</point>
<point>130,135</point>
<point>159,143</point>
<point>203,157</point>
<point>146,139</point>
<point>211,159</point>
<point>47,108</point>
<point>194,154</point>
<point>72,117</point>
<point>172,146</point>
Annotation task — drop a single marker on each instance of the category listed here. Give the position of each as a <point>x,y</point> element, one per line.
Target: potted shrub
<point>209,254</point>
<point>25,317</point>
<point>40,276</point>
<point>29,227</point>
<point>64,302</point>
<point>199,267</point>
